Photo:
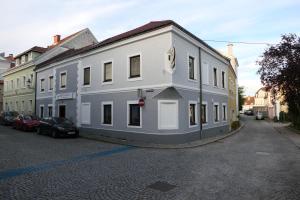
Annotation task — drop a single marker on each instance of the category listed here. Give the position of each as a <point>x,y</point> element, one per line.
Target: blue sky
<point>33,22</point>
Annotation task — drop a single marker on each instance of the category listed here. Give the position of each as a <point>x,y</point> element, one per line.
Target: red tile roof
<point>35,49</point>
<point>154,25</point>
<point>63,40</point>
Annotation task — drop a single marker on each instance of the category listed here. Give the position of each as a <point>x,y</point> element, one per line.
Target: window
<point>215,77</point>
<point>23,106</point>
<point>223,79</point>
<point>224,112</point>
<point>41,111</point>
<point>42,85</point>
<point>50,83</point>
<point>30,106</point>
<point>167,114</point>
<point>134,114</point>
<point>63,80</point>
<point>205,73</point>
<point>193,113</point>
<point>18,83</point>
<point>135,66</point>
<point>204,113</point>
<point>50,110</point>
<point>107,113</point>
<point>107,72</point>
<point>87,76</point>
<point>12,84</point>
<point>24,82</point>
<point>216,112</point>
<point>191,68</point>
<point>85,113</point>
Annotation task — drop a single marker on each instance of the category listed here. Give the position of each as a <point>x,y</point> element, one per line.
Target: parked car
<point>56,127</point>
<point>26,122</point>
<point>249,112</point>
<point>259,116</point>
<point>7,118</point>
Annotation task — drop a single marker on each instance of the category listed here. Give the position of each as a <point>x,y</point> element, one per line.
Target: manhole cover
<point>161,186</point>
<point>262,153</point>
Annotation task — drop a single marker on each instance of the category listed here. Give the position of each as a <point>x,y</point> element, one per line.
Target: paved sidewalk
<point>292,134</point>
<point>161,146</point>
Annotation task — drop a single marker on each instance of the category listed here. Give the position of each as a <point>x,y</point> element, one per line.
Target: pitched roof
<point>63,40</point>
<point>35,49</point>
<point>151,26</point>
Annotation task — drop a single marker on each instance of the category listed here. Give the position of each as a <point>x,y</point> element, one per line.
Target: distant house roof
<point>151,26</point>
<point>34,49</point>
<point>249,100</point>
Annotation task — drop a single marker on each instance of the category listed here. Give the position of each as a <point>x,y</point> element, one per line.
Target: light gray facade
<point>163,87</point>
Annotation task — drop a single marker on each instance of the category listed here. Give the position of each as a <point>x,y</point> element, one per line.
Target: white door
<point>167,114</point>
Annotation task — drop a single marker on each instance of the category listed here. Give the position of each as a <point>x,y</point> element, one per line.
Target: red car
<point>26,122</point>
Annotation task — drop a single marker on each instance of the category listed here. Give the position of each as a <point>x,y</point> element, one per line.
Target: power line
<point>241,42</point>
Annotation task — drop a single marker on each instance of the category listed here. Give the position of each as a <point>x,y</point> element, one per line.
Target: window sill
<point>86,86</point>
<point>193,126</point>
<point>107,83</point>
<point>193,80</point>
<point>133,126</point>
<point>134,79</point>
<point>111,125</point>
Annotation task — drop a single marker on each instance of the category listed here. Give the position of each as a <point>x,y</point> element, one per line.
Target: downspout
<point>35,82</point>
<point>200,93</point>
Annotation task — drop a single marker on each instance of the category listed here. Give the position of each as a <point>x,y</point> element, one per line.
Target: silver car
<point>259,116</point>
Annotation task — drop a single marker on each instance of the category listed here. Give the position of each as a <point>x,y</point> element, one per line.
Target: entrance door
<point>62,111</point>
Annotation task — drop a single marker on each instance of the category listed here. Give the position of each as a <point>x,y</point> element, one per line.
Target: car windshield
<point>59,120</point>
<point>28,117</point>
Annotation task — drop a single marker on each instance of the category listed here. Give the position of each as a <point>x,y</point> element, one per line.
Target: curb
<point>193,144</point>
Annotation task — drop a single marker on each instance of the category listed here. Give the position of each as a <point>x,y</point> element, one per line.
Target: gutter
<point>200,93</point>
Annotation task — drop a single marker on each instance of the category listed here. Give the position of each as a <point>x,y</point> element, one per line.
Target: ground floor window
<point>62,111</point>
<point>193,113</point>
<point>167,114</point>
<point>224,112</point>
<point>216,112</point>
<point>50,111</point>
<point>204,113</point>
<point>107,113</point>
<point>134,117</point>
<point>41,111</point>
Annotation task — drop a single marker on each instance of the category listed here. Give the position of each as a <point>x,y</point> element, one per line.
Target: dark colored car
<point>56,127</point>
<point>8,118</point>
<point>249,112</point>
<point>26,122</point>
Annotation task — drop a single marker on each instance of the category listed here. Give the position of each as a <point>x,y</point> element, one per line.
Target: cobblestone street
<point>256,163</point>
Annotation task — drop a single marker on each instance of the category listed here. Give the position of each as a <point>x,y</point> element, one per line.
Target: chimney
<point>56,39</point>
<point>230,49</point>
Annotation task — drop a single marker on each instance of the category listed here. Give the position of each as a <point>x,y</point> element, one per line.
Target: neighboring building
<point>232,85</point>
<point>140,85</point>
<point>263,103</point>
<point>248,103</point>
<point>5,63</point>
<point>1,95</point>
<point>20,81</point>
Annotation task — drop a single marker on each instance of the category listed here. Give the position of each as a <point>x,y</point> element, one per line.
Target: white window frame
<point>226,112</point>
<point>86,122</point>
<point>89,85</point>
<point>24,82</point>
<point>141,67</point>
<point>112,72</point>
<point>42,106</point>
<point>128,114</point>
<point>216,77</point>
<point>50,105</point>
<point>49,89</point>
<point>42,78</point>
<point>206,112</point>
<point>218,104</point>
<point>195,68</point>
<point>102,112</point>
<point>60,88</point>
<point>159,102</point>
<point>196,114</point>
<point>223,87</point>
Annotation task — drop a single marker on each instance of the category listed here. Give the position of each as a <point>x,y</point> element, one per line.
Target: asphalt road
<point>256,163</point>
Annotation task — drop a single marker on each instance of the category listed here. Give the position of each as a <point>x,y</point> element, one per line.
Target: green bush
<point>235,125</point>
<point>283,117</point>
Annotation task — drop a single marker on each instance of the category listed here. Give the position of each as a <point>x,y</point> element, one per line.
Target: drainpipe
<point>200,93</point>
<point>35,75</point>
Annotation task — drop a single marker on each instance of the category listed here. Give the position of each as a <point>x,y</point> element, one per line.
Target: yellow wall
<point>232,88</point>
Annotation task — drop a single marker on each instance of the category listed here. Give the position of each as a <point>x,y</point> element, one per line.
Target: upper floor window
<point>63,80</point>
<point>50,82</point>
<point>87,76</point>
<point>18,83</point>
<point>24,82</point>
<point>215,77</point>
<point>12,84</point>
<point>191,68</point>
<point>135,66</point>
<point>107,72</point>
<point>223,79</point>
<point>42,85</point>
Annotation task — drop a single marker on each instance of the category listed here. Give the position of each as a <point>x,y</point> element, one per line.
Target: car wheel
<point>54,134</point>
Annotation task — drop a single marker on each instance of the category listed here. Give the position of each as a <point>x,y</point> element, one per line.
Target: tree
<point>280,71</point>
<point>241,94</point>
